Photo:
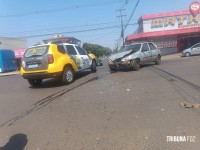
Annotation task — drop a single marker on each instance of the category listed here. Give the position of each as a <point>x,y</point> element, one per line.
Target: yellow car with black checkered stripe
<point>55,61</point>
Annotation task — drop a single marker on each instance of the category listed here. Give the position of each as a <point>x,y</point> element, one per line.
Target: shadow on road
<point>16,142</point>
<point>130,69</point>
<point>52,83</point>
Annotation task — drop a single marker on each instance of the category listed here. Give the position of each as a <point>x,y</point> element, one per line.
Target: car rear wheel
<point>93,66</point>
<point>35,82</point>
<point>158,60</point>
<point>135,64</point>
<point>68,75</point>
<point>187,54</point>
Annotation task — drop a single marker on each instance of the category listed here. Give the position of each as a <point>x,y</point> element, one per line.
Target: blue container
<point>7,61</point>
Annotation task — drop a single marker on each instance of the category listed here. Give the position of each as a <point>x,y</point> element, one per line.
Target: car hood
<point>186,50</point>
<point>121,55</point>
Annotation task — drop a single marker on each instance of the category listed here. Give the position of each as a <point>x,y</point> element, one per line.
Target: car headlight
<point>111,61</point>
<point>125,58</point>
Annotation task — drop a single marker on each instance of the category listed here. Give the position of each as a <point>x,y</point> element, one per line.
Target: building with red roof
<point>172,32</point>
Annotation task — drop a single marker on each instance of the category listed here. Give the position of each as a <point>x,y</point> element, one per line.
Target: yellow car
<point>55,61</point>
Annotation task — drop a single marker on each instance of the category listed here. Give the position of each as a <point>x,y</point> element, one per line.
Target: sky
<point>90,21</point>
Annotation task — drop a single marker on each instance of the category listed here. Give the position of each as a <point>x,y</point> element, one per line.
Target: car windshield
<point>134,47</point>
<point>36,51</point>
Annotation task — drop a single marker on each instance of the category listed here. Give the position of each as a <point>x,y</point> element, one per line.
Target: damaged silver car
<point>132,56</point>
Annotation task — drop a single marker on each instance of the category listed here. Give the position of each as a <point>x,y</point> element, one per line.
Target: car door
<point>154,51</point>
<point>85,61</point>
<point>146,52</point>
<point>71,51</point>
<point>195,49</point>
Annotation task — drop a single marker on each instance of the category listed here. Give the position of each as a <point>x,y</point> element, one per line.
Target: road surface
<point>126,110</point>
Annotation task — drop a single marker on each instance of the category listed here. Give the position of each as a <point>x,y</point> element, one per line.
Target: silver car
<point>132,56</point>
<point>194,50</point>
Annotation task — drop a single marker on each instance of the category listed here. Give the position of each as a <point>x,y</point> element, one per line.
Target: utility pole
<point>121,15</point>
<point>117,45</point>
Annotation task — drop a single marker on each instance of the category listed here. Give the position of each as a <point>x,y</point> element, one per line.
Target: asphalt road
<point>124,110</point>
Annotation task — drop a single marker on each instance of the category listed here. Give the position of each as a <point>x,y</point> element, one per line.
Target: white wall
<point>12,43</point>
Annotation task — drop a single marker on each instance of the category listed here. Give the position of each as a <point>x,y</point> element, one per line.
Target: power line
<point>56,10</point>
<point>59,28</point>
<point>132,14</point>
<point>77,31</point>
<point>103,36</point>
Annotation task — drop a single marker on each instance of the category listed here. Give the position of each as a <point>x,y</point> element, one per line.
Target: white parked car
<point>194,50</point>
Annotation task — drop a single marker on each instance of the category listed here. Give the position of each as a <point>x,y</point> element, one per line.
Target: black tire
<point>35,82</point>
<point>93,66</point>
<point>187,54</point>
<point>112,68</point>
<point>68,75</point>
<point>158,60</point>
<point>136,65</point>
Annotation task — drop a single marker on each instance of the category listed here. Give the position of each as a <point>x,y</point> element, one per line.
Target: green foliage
<point>97,50</point>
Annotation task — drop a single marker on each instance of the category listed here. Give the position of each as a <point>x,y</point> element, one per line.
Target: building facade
<point>12,43</point>
<point>172,32</point>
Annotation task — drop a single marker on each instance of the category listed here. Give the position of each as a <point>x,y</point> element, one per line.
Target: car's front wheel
<point>135,64</point>
<point>187,54</point>
<point>158,60</point>
<point>68,75</point>
<point>35,82</point>
<point>112,69</point>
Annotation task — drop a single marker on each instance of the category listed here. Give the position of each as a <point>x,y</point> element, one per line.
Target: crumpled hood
<point>119,55</point>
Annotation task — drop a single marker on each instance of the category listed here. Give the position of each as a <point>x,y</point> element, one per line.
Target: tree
<point>96,49</point>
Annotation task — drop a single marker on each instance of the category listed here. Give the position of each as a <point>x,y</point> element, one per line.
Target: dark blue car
<point>7,61</point>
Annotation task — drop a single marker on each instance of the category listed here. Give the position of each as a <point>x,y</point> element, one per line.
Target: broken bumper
<point>119,64</point>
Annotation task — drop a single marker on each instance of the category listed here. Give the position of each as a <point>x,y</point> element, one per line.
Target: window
<point>36,51</point>
<point>61,49</point>
<point>145,47</point>
<point>81,51</point>
<point>71,50</point>
<point>134,47</point>
<point>152,46</point>
<point>197,46</point>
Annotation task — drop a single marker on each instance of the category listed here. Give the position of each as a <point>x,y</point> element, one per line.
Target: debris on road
<point>188,105</point>
<point>128,90</point>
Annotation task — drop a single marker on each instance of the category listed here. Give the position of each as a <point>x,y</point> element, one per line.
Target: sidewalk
<point>176,55</point>
<point>9,73</point>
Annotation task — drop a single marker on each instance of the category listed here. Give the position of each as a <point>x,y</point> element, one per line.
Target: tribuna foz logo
<point>194,8</point>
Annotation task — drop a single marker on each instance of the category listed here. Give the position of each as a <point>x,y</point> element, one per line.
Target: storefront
<point>172,32</point>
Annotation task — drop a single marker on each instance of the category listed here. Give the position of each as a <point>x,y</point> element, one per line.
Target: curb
<point>9,73</point>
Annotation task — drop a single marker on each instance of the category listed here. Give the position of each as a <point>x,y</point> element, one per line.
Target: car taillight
<point>50,59</point>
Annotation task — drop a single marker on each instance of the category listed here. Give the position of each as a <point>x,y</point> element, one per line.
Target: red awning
<point>162,33</point>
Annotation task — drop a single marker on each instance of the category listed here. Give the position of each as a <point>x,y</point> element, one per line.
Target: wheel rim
<point>69,75</point>
<point>187,54</point>
<point>137,65</point>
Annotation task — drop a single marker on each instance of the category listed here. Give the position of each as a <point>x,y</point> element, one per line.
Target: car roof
<point>68,44</point>
<point>139,43</point>
<point>39,45</point>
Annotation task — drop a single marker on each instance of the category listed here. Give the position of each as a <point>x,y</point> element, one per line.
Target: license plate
<point>33,66</point>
